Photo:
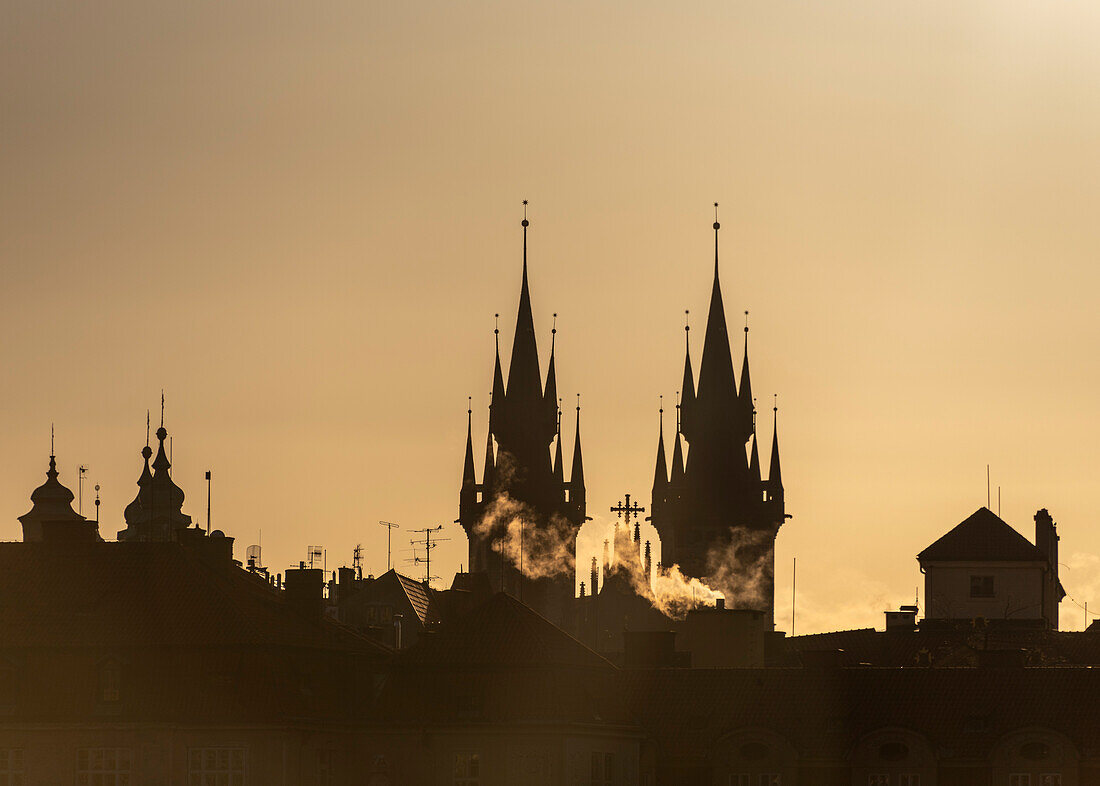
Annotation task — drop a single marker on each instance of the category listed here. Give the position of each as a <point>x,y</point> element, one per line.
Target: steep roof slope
<point>982,537</point>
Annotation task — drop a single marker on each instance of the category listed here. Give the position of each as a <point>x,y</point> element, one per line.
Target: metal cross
<point>630,509</point>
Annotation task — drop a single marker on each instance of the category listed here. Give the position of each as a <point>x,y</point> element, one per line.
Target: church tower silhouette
<point>522,519</point>
<point>716,517</point>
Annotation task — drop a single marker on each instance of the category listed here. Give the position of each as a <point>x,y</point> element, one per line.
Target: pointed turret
<point>559,468</point>
<point>576,474</point>
<point>754,461</point>
<point>469,476</point>
<point>468,493</point>
<point>497,401</point>
<point>550,392</point>
<point>687,390</point>
<point>775,475</point>
<point>488,473</point>
<point>595,577</point>
<point>677,455</point>
<point>744,397</point>
<point>660,473</point>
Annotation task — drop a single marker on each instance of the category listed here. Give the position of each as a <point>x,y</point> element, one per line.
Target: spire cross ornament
<point>629,508</point>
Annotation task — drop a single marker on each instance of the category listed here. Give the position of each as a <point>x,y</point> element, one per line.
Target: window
<point>103,767</point>
<point>1050,779</point>
<point>900,779</point>
<point>110,680</point>
<point>603,769</point>
<point>981,586</point>
<point>11,767</point>
<point>878,779</point>
<point>909,779</point>
<point>467,769</point>
<point>1019,779</point>
<point>215,767</point>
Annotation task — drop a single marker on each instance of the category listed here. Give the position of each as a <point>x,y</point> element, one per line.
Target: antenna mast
<point>390,527</point>
<point>428,545</point>
<point>81,471</point>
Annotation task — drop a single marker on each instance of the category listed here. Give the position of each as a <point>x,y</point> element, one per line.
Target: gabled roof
<point>983,537</point>
<point>502,632</point>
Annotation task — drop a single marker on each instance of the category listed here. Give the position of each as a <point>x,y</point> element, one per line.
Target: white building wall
<point>1017,590</point>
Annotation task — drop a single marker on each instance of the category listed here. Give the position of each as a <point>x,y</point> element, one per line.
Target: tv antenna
<point>428,543</point>
<point>316,557</point>
<point>357,560</point>
<point>97,503</point>
<point>390,527</point>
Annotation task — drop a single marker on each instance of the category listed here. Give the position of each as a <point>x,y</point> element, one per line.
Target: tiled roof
<point>983,537</point>
<point>419,595</point>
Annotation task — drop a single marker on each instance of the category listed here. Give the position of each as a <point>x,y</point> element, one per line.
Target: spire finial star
<point>687,321</point>
<point>775,402</point>
<point>717,226</point>
<point>554,329</point>
<point>51,441</point>
<point>578,402</point>
<point>525,223</point>
<point>746,321</point>
<point>146,428</point>
<point>162,407</point>
<point>469,405</point>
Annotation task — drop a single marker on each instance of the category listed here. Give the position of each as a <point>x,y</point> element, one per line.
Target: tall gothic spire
<point>717,386</point>
<point>677,454</point>
<point>523,370</point>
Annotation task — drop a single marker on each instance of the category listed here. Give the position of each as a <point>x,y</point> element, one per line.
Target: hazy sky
<point>299,219</point>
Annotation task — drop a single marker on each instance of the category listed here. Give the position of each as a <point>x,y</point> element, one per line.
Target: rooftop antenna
<point>428,545</point>
<point>162,407</point>
<point>146,428</point>
<point>987,505</point>
<point>51,441</point>
<point>208,483</point>
<point>97,504</point>
<point>390,527</point>
<point>81,472</point>
<point>357,560</point>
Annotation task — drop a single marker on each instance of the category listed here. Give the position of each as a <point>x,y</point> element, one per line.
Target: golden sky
<point>299,219</point>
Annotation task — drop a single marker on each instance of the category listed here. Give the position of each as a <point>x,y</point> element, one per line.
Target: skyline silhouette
<point>309,267</point>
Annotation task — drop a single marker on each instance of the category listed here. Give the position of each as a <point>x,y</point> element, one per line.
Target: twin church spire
<point>524,450</point>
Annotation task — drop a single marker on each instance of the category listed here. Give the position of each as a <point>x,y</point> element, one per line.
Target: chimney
<point>347,584</point>
<point>720,604</point>
<point>1046,539</point>
<point>905,618</point>
<point>304,590</point>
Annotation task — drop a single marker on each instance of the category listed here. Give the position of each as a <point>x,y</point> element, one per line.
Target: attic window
<point>981,586</point>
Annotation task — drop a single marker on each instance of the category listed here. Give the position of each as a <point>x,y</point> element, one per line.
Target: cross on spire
<point>629,508</point>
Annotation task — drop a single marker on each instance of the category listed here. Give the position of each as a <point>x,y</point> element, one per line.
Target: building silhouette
<point>524,515</point>
<point>716,517</point>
